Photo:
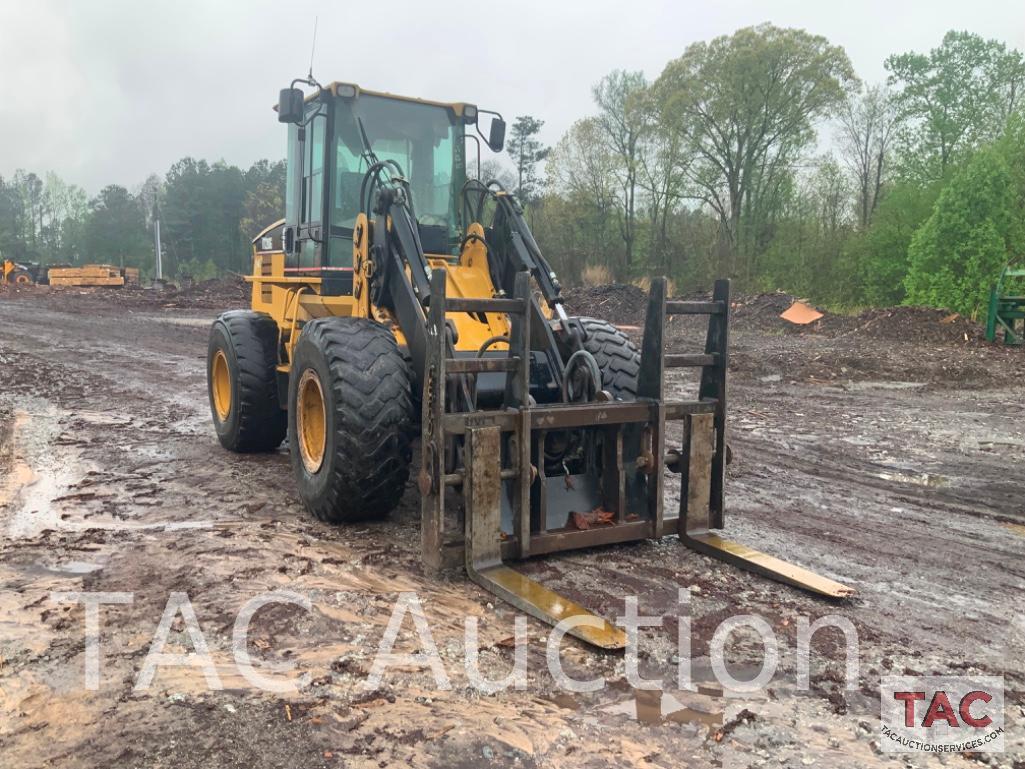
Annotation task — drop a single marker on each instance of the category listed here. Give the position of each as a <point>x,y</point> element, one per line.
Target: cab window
<point>424,139</point>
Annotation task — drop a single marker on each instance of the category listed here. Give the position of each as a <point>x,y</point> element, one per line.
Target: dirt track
<point>854,457</point>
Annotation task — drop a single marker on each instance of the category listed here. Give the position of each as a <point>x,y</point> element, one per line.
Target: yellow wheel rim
<point>23,280</point>
<point>311,421</point>
<point>220,383</point>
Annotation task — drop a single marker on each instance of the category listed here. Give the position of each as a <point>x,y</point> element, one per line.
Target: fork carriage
<point>497,459</point>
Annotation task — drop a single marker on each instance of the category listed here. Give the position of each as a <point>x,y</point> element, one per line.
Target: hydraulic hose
<point>592,370</point>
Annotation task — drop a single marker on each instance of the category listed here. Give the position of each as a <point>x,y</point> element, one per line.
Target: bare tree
<point>620,97</point>
<point>868,126</point>
<point>492,169</point>
<point>581,166</point>
<point>663,161</point>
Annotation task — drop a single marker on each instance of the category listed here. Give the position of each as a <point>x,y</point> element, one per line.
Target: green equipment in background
<point>1006,311</point>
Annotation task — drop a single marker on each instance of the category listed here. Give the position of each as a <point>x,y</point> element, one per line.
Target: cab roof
<point>351,90</point>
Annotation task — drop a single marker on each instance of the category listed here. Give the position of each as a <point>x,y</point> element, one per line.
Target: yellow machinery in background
<point>87,275</point>
<point>12,273</point>
<point>398,297</point>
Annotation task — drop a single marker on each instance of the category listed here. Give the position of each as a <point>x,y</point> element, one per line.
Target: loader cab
<point>327,163</point>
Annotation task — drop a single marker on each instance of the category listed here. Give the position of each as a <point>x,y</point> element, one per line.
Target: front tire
<point>241,375</point>
<point>350,419</point>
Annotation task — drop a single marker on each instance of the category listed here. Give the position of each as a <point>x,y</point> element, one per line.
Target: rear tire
<point>22,278</point>
<point>350,419</point>
<point>617,357</point>
<point>241,375</point>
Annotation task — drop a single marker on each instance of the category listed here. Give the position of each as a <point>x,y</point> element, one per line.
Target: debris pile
<point>762,310</point>
<point>625,305</point>
<point>225,293</point>
<point>228,293</point>
<point>918,324</point>
<point>765,312</point>
<point>621,304</point>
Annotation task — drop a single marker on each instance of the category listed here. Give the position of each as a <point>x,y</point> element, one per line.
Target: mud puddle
<point>931,480</point>
<point>46,484</point>
<point>881,385</point>
<point>188,322</point>
<point>36,476</point>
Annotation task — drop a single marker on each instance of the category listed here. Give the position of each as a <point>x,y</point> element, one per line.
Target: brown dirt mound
<point>618,303</point>
<point>227,293</point>
<point>762,311</point>
<point>913,324</point>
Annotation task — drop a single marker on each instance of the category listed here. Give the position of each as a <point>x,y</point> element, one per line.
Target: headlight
<point>469,113</point>
<point>345,90</point>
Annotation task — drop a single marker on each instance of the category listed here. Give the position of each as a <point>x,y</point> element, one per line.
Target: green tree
<point>116,229</point>
<point>29,189</point>
<point>880,254</point>
<point>664,162</point>
<point>582,181</point>
<point>526,151</point>
<point>976,225</point>
<point>954,98</point>
<point>12,221</point>
<point>746,104</point>
<point>202,210</point>
<point>807,254</point>
<point>264,201</point>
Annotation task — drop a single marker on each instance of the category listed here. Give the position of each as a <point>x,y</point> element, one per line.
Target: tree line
<point>208,214</point>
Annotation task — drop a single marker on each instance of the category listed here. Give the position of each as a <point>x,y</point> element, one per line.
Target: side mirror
<point>291,105</point>
<point>496,136</point>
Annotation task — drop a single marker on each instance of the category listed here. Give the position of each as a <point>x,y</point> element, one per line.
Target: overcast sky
<point>104,92</point>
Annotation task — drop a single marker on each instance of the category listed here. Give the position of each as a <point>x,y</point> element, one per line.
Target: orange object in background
<point>801,314</point>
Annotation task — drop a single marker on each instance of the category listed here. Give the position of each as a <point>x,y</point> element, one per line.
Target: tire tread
<point>370,380</point>
<point>262,421</point>
<point>617,357</point>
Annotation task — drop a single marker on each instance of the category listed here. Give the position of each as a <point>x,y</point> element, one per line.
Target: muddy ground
<point>889,456</point>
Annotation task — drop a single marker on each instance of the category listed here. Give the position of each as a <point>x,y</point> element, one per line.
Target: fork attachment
<point>702,461</point>
<point>537,478</point>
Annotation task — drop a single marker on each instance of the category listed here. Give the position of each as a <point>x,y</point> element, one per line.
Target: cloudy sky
<point>105,91</point>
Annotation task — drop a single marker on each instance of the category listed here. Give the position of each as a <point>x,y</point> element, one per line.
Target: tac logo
<point>942,714</point>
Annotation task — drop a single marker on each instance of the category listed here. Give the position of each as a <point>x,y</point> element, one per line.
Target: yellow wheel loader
<point>398,296</point>
<point>12,273</point>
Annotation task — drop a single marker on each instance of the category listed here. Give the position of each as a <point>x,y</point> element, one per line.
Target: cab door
<point>305,191</point>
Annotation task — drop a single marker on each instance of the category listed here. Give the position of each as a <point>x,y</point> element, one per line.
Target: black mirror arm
<point>310,81</point>
<point>477,125</point>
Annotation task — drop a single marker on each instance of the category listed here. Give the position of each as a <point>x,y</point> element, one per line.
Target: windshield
<point>424,139</point>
